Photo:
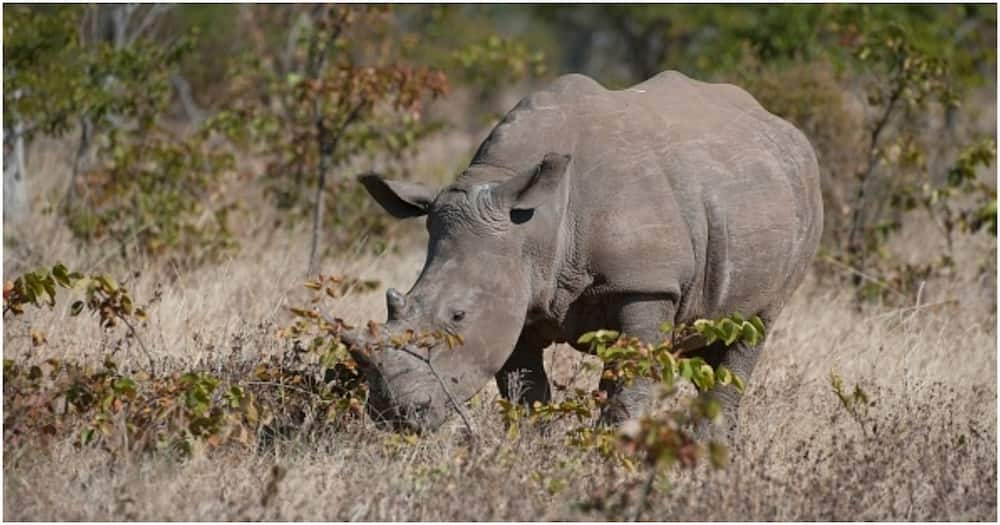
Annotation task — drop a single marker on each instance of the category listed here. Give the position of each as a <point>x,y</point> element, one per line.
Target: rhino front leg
<point>639,316</point>
<point>523,375</point>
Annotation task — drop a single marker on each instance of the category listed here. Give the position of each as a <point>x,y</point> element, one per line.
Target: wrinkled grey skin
<point>587,208</point>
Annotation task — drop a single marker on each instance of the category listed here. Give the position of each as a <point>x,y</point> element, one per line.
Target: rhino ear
<point>531,190</point>
<point>401,199</point>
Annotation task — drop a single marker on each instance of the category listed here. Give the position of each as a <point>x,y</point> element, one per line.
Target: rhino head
<point>487,232</point>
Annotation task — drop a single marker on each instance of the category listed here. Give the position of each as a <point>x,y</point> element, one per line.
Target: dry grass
<point>930,369</point>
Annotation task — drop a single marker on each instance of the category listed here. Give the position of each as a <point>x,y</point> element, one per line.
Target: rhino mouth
<point>401,391</point>
<point>410,416</point>
<point>415,418</point>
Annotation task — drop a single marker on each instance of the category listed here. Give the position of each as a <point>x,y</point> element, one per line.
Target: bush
<point>890,153</point>
<point>151,191</point>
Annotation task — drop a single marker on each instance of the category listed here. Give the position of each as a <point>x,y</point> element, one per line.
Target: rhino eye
<point>457,316</point>
<point>521,216</point>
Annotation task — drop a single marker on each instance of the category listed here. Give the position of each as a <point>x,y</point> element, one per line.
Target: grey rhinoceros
<point>588,208</point>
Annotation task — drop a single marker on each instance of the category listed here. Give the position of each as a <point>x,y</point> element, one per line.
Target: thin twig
<point>107,254</point>
<point>328,146</point>
<point>863,275</point>
<point>949,302</point>
<point>81,151</point>
<point>183,88</point>
<point>451,398</point>
<point>151,15</point>
<point>284,386</point>
<point>647,490</point>
<point>135,334</point>
<point>854,245</point>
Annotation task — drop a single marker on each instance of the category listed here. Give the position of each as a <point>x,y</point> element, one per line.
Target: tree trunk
<point>856,248</point>
<point>325,157</point>
<point>86,130</point>
<point>183,88</point>
<point>15,195</point>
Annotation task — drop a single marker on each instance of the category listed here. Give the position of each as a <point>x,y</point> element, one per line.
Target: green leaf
<point>708,406</point>
<point>686,369</point>
<point>124,386</point>
<point>705,377</point>
<point>723,376</point>
<point>61,275</point>
<point>33,288</point>
<point>607,336</point>
<point>602,336</point>
<point>107,284</point>
<point>749,335</point>
<point>707,330</point>
<point>50,290</point>
<point>126,305</point>
<point>738,383</point>
<point>758,324</point>
<point>730,332</point>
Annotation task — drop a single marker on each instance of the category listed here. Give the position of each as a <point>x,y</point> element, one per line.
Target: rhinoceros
<point>587,208</point>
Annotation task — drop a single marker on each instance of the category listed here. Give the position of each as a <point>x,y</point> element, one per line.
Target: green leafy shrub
<point>154,193</point>
<point>103,296</point>
<point>315,383</point>
<point>892,153</point>
<point>856,404</point>
<point>193,412</point>
<point>151,191</point>
<point>497,61</point>
<point>659,440</point>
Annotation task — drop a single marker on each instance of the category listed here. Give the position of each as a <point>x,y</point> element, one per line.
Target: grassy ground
<point>925,451</point>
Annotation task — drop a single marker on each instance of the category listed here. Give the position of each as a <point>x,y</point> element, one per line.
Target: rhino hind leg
<point>740,358</point>
<point>523,376</point>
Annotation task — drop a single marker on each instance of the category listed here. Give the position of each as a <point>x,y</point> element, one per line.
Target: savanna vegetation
<point>184,239</point>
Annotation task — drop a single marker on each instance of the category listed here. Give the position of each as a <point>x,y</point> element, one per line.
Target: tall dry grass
<point>930,369</point>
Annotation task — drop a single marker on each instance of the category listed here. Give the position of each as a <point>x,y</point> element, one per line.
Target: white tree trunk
<point>15,195</point>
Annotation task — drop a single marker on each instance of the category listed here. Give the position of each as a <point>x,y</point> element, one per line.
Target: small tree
<point>322,102</point>
<point>93,69</point>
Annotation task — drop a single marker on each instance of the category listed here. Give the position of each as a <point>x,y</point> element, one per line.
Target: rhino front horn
<point>396,302</point>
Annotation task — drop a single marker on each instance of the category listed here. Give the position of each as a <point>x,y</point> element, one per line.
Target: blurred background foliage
<point>180,118</point>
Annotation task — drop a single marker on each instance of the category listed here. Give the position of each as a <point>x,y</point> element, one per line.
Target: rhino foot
<point>626,401</point>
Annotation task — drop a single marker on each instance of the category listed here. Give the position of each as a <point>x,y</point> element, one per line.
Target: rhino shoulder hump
<point>576,85</point>
<point>676,82</point>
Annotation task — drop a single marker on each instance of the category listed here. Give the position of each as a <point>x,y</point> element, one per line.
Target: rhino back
<point>678,187</point>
